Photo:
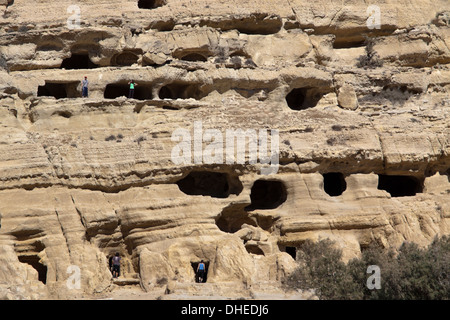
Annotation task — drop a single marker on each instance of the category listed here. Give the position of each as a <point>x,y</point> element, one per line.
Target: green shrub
<point>413,273</point>
<point>371,59</point>
<point>321,268</point>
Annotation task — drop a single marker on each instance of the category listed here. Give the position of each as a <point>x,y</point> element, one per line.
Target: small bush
<point>412,273</point>
<point>322,269</point>
<point>371,59</point>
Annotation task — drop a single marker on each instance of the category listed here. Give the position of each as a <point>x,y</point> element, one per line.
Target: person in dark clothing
<point>110,263</point>
<point>116,265</point>
<point>84,90</point>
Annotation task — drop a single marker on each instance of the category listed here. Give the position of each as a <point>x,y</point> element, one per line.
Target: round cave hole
<point>267,194</point>
<point>303,98</point>
<point>334,183</point>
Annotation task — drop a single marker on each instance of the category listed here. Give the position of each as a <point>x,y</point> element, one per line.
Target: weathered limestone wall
<point>83,178</point>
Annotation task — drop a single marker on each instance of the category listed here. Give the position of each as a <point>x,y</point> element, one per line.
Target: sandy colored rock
<point>347,98</point>
<point>361,114</point>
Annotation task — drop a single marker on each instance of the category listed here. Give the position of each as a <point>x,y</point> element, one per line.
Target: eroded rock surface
<point>362,114</point>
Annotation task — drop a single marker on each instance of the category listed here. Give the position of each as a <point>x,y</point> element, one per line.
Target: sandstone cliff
<point>362,112</point>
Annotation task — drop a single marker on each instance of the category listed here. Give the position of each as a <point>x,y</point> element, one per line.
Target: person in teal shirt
<point>201,272</point>
<point>132,85</point>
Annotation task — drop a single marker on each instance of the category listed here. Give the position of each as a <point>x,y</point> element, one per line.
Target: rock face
<point>357,99</point>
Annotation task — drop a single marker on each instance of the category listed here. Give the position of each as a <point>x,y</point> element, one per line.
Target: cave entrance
<point>150,4</point>
<point>141,92</point>
<point>233,217</point>
<point>78,61</point>
<point>267,194</point>
<point>303,98</point>
<point>292,251</point>
<point>59,90</point>
<point>207,183</point>
<point>33,260</point>
<point>194,57</point>
<point>400,186</point>
<point>125,59</point>
<point>334,183</point>
<point>195,266</point>
<point>180,91</point>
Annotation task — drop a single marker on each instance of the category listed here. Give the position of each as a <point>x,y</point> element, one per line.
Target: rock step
<point>127,281</point>
<point>220,290</point>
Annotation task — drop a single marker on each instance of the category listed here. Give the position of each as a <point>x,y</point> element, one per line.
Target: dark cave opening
<point>180,91</point>
<point>233,217</point>
<point>59,90</point>
<point>141,92</point>
<point>56,90</point>
<point>150,4</point>
<point>349,43</point>
<point>267,194</point>
<point>165,93</point>
<point>334,183</point>
<point>303,98</point>
<point>208,183</point>
<point>292,251</point>
<point>400,186</point>
<point>78,61</point>
<point>194,57</point>
<point>33,260</point>
<point>296,98</point>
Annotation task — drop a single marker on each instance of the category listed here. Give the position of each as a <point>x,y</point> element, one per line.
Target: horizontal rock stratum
<point>358,97</point>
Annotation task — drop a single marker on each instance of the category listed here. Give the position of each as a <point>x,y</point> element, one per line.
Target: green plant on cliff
<point>371,59</point>
<point>321,268</point>
<point>413,273</point>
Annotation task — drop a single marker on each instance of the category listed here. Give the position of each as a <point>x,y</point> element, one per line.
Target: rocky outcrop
<point>361,112</point>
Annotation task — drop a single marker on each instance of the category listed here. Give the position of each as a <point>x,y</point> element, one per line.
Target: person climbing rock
<point>201,272</point>
<point>84,90</point>
<point>132,85</point>
<point>116,265</point>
